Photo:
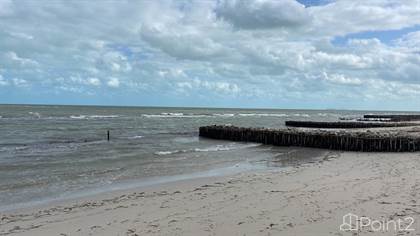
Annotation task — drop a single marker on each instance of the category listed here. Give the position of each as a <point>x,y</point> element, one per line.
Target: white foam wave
<point>103,116</point>
<point>21,148</point>
<point>182,115</point>
<point>78,117</point>
<point>136,137</point>
<point>164,153</point>
<point>82,117</point>
<point>224,114</point>
<point>214,148</point>
<point>173,115</point>
<point>18,148</point>
<point>217,148</point>
<point>264,114</point>
<point>36,114</point>
<point>301,115</point>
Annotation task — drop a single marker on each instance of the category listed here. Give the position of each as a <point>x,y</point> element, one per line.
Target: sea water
<point>55,152</point>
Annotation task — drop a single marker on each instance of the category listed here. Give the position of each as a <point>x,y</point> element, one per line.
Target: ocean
<point>57,152</point>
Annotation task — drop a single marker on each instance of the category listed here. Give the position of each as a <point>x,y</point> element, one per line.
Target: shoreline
<point>147,184</point>
<point>299,155</point>
<point>307,199</point>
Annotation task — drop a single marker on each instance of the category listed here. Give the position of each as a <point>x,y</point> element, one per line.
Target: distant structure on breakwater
<point>346,125</point>
<point>364,141</point>
<point>396,118</point>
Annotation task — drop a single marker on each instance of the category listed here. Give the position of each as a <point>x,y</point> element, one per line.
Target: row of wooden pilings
<point>316,139</point>
<point>394,117</point>
<point>346,125</point>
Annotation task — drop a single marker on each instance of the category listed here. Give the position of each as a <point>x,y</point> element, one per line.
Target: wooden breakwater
<point>394,117</point>
<point>346,125</point>
<point>346,141</point>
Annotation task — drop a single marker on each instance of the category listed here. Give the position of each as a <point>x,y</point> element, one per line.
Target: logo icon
<point>350,222</point>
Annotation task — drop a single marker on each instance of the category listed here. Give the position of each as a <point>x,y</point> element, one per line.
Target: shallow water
<point>54,152</point>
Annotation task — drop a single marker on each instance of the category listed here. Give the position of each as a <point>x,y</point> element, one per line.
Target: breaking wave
<point>263,114</point>
<point>214,148</point>
<point>136,137</point>
<point>173,115</point>
<point>35,114</point>
<point>87,117</point>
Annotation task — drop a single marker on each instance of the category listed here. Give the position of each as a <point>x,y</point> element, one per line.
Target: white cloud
<point>225,87</point>
<point>218,87</point>
<point>173,72</point>
<point>162,73</point>
<point>21,35</point>
<point>182,42</point>
<point>22,61</point>
<point>184,85</point>
<point>113,83</point>
<point>410,41</point>
<point>344,17</point>
<point>341,79</point>
<point>20,82</point>
<point>3,82</point>
<point>345,60</point>
<point>94,81</point>
<point>263,14</point>
<point>116,61</point>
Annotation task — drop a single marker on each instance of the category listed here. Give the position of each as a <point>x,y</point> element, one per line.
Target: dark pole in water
<point>108,135</point>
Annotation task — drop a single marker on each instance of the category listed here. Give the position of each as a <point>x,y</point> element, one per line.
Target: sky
<point>310,54</point>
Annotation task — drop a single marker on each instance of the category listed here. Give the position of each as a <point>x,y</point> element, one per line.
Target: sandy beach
<point>308,199</point>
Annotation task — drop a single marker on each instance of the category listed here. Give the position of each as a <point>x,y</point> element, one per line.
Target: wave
<point>302,115</point>
<point>87,117</point>
<point>173,115</point>
<point>264,114</point>
<point>78,117</point>
<point>274,114</point>
<point>136,137</point>
<point>224,114</point>
<point>228,147</point>
<point>214,115</point>
<point>12,148</point>
<point>164,153</point>
<point>35,114</point>
<point>215,148</point>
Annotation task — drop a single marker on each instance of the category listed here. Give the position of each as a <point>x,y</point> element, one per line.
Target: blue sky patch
<point>310,3</point>
<point>386,37</point>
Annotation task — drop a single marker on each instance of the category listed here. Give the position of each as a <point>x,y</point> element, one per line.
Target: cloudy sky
<point>320,54</point>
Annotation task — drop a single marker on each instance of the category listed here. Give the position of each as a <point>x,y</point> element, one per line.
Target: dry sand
<point>310,199</point>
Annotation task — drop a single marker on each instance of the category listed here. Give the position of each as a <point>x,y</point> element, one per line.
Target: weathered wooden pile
<point>347,141</point>
<point>396,118</point>
<point>346,125</point>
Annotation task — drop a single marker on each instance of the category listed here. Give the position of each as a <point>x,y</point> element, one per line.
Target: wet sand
<point>307,199</point>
